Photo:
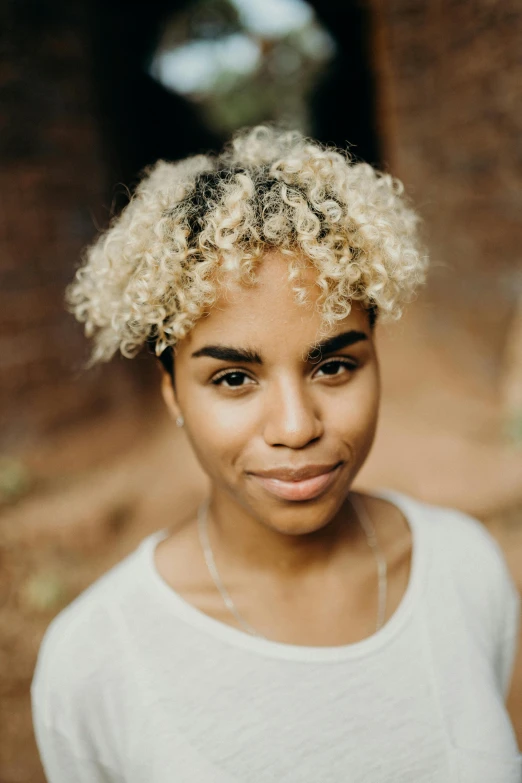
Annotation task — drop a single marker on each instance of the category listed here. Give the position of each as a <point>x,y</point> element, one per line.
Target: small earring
<point>180,421</point>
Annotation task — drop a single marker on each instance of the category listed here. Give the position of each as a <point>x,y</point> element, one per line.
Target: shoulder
<point>461,551</point>
<point>81,647</point>
<point>467,567</point>
<point>460,538</point>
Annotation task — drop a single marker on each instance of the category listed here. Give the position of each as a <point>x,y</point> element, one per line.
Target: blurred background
<point>91,92</point>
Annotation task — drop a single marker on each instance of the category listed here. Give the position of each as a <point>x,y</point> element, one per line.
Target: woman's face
<point>280,426</point>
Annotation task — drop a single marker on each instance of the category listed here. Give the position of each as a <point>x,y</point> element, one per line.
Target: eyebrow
<point>226,353</point>
<point>336,343</point>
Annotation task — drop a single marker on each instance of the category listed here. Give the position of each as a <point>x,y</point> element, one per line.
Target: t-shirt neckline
<point>188,613</point>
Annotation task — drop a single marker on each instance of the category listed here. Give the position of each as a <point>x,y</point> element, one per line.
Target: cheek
<point>220,430</point>
<point>356,411</point>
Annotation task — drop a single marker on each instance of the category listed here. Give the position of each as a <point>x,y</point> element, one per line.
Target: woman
<point>294,630</point>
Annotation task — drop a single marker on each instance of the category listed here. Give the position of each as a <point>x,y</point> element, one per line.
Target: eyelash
<point>350,364</point>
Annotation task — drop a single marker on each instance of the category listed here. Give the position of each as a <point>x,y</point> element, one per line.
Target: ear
<point>169,395</point>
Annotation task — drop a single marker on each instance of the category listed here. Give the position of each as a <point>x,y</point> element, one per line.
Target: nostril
<point>295,437</point>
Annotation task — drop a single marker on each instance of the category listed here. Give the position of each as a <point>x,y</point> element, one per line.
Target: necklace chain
<point>364,520</point>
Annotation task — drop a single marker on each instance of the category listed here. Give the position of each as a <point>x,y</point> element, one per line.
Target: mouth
<point>298,484</point>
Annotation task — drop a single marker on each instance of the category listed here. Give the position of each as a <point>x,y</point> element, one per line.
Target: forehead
<point>268,313</point>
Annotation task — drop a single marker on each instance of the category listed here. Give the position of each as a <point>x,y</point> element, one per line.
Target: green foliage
<point>15,480</point>
<point>514,428</point>
<point>44,591</point>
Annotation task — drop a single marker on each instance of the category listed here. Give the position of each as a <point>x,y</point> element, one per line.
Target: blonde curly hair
<point>156,270</point>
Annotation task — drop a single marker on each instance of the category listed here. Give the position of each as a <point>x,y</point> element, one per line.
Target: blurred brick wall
<point>52,186</point>
<point>450,102</point>
<point>449,78</point>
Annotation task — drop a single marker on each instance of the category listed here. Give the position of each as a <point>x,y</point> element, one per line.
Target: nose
<point>292,419</point>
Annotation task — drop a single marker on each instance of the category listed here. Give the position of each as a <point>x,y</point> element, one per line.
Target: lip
<point>295,484</point>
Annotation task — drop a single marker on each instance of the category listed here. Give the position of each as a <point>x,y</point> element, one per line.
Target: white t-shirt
<point>134,684</point>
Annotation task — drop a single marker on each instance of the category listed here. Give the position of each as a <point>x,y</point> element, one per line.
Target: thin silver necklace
<point>369,530</point>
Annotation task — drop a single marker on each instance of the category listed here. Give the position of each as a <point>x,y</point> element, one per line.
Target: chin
<point>300,518</point>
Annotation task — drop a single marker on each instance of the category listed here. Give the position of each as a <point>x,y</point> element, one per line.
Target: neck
<point>249,543</point>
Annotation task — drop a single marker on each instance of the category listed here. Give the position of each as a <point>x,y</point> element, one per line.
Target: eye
<point>336,367</point>
<point>232,379</point>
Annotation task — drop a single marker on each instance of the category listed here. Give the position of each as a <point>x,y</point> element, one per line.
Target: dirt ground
<point>97,491</point>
